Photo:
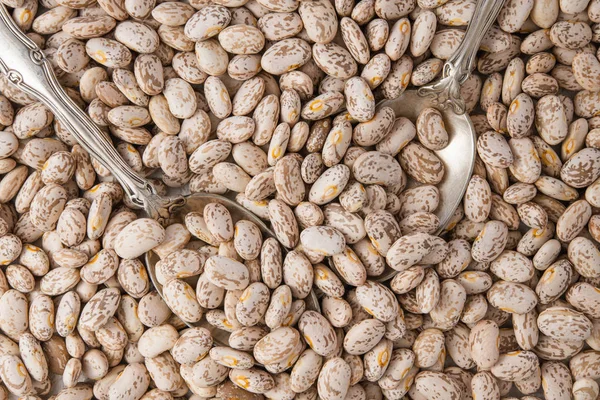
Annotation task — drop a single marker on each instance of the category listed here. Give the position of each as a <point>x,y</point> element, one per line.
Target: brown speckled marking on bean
<point>286,55</point>
<point>99,309</point>
<point>279,26</point>
<point>284,223</point>
<point>421,164</point>
<point>207,22</point>
<point>564,324</point>
<point>137,237</point>
<point>298,274</point>
<point>242,39</point>
<point>437,385</point>
<point>320,20</point>
<point>582,168</point>
<point>512,297</point>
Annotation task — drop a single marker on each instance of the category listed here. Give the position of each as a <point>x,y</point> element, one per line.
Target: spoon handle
<point>26,67</point>
<point>457,68</point>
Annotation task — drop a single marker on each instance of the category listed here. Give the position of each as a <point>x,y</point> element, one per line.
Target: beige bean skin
<point>41,317</point>
<point>288,180</point>
<point>587,174</point>
<point>512,297</point>
<point>148,234</point>
<point>584,365</point>
<point>276,345</point>
<point>522,272</point>
<point>279,307</point>
<point>428,291</point>
<point>372,296</point>
<point>156,340</point>
<point>582,296</point>
<point>350,268</point>
<point>212,58</point>
<point>323,240</point>
<point>546,255</point>
<point>583,257</point>
<point>436,384</point>
<point>298,274</point>
<point>163,371</point>
<point>192,346</point>
<point>241,39</point>
<point>33,357</point>
<point>398,40</point>
<point>372,132</point>
<point>448,309</point>
<point>413,159</point>
<point>359,101</point>
<point>571,35</point>
<point>483,344</point>
<point>459,281</point>
<point>584,389</point>
<point>305,371</point>
<point>563,323</point>
<point>133,381</point>
<point>484,385</point>
<point>67,313</point>
<point>477,204</point>
<point>284,223</point>
<point>15,375</point>
<point>530,384</point>
<point>377,168</point>
<point>428,347</point>
<point>253,304</point>
<point>584,67</point>
<point>490,241</point>
<point>278,26</point>
<point>515,365</point>
<point>285,56</point>
<point>554,282</point>
<point>324,52</point>
<point>109,53</point>
<point>570,223</point>
<point>310,323</point>
<point>322,15</point>
<point>334,379</point>
<point>47,205</point>
<point>207,23</point>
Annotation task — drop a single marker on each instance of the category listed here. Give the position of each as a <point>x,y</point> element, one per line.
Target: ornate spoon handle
<point>27,68</point>
<point>457,68</point>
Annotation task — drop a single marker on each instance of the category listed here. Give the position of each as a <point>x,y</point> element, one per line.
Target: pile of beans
<point>273,103</point>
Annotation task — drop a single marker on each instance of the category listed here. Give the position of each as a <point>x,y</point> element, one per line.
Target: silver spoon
<point>26,67</point>
<point>459,156</point>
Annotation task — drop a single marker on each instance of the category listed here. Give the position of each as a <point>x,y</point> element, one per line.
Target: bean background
<point>272,103</point>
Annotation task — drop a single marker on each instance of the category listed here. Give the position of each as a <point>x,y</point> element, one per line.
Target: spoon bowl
<point>444,95</point>
<point>458,157</point>
<point>196,203</point>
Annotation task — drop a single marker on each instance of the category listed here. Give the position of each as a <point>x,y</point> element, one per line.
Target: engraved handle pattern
<point>26,67</point>
<point>457,69</point>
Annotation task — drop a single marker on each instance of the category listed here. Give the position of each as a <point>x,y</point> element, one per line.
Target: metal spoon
<point>459,156</point>
<point>26,67</point>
